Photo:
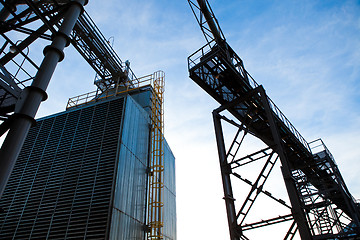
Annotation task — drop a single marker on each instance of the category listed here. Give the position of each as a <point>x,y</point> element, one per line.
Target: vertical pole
<point>298,213</point>
<point>234,229</point>
<point>31,97</point>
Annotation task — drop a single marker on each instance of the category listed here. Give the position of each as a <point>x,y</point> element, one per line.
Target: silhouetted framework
<point>23,80</point>
<point>321,207</point>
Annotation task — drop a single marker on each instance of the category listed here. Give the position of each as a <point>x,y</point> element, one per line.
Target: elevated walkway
<point>221,74</point>
<point>85,37</point>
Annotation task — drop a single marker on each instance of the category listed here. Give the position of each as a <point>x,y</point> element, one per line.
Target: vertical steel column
<point>235,231</point>
<point>32,96</point>
<point>298,214</point>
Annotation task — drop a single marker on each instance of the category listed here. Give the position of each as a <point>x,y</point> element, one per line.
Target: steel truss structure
<point>23,81</point>
<point>321,207</point>
<point>325,219</point>
<point>24,77</point>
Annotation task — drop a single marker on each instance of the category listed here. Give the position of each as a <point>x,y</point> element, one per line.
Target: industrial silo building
<point>99,170</point>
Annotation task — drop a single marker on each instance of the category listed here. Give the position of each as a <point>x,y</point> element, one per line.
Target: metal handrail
<point>104,47</point>
<point>320,144</point>
<point>93,96</point>
<point>288,124</point>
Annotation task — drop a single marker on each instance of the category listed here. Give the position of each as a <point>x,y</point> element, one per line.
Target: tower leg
<point>298,214</point>
<point>31,97</point>
<point>235,231</point>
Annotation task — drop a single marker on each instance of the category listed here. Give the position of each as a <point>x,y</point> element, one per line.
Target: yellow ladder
<point>155,202</point>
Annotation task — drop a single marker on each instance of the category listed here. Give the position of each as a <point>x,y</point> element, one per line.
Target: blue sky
<point>305,53</point>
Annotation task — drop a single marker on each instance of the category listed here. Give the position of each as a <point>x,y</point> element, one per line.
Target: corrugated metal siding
<point>169,211</point>
<point>62,181</point>
<point>130,191</point>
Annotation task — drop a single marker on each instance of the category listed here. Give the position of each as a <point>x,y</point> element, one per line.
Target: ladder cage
<point>156,164</point>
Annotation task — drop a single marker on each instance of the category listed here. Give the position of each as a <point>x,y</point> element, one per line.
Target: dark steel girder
<point>39,11</point>
<point>234,229</point>
<point>267,222</point>
<point>267,193</point>
<point>205,16</point>
<point>255,105</point>
<point>27,41</point>
<point>236,220</point>
<point>220,72</point>
<point>257,187</point>
<point>296,150</point>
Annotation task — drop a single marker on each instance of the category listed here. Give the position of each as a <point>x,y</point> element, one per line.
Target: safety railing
<point>155,220</point>
<point>281,116</point>
<point>318,146</point>
<point>97,95</point>
<point>197,57</point>
<point>87,27</point>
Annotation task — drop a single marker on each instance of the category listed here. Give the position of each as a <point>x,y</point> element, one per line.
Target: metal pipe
<point>32,96</point>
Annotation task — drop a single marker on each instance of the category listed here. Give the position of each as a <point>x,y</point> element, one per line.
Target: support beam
<point>32,96</point>
<point>5,13</point>
<point>235,231</point>
<point>296,204</point>
<point>211,21</point>
<point>26,42</point>
<point>268,222</point>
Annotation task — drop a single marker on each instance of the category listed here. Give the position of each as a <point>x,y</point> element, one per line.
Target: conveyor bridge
<point>316,189</point>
